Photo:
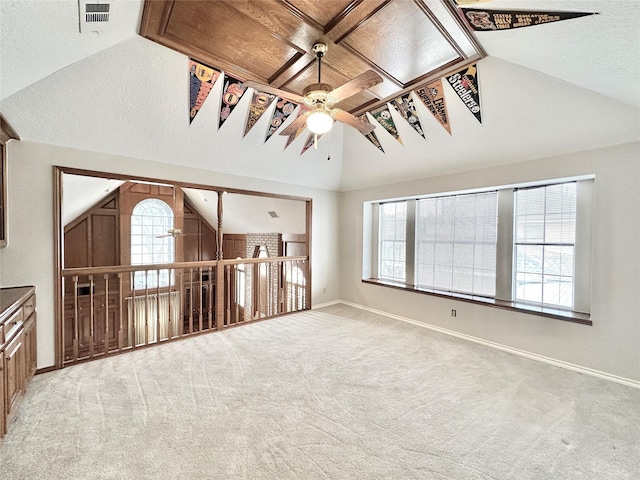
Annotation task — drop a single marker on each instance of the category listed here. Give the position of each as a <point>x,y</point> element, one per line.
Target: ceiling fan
<point>318,99</point>
<point>175,232</point>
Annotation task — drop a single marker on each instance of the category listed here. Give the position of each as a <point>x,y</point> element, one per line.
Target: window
<point>393,217</point>
<point>545,232</point>
<point>524,246</point>
<point>150,221</point>
<point>456,243</point>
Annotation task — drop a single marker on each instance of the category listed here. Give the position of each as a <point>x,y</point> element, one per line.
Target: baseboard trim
<point>326,304</point>
<point>523,353</point>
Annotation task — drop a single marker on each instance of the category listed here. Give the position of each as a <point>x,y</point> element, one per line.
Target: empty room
<point>299,239</point>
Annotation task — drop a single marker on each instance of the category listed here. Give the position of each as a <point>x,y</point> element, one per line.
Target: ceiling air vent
<point>273,214</point>
<point>94,15</point>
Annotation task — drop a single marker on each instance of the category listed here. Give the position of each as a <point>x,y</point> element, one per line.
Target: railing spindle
<point>120,316</point>
<point>106,313</point>
<point>76,323</point>
<point>158,335</point>
<point>91,315</point>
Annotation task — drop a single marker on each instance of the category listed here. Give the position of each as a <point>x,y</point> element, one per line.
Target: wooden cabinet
<point>30,348</point>
<point>14,372</point>
<point>3,417</point>
<point>18,348</point>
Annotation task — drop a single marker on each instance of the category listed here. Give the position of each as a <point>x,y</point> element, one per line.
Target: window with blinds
<point>392,257</point>
<point>456,240</point>
<point>544,244</point>
<point>525,246</point>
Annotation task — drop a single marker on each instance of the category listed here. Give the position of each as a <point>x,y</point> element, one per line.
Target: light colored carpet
<point>335,393</point>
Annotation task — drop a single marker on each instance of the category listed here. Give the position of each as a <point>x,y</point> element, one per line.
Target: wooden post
<point>219,255</point>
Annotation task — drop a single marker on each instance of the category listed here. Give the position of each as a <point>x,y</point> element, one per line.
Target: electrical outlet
<point>453,313</point>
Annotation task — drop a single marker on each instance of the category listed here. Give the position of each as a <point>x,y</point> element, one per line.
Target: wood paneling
<point>294,245</point>
<point>234,245</point>
<point>104,239</point>
<point>92,240</point>
<point>191,240</point>
<point>102,235</point>
<point>269,41</point>
<point>76,251</point>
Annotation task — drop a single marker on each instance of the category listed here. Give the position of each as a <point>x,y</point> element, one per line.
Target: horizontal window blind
<point>544,244</point>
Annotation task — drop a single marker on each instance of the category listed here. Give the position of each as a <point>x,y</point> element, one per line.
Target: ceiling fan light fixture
<point>319,122</point>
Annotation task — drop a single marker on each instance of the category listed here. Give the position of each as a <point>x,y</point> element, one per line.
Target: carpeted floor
<point>335,393</point>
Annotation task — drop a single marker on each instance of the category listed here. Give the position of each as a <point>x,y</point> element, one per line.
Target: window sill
<point>566,315</point>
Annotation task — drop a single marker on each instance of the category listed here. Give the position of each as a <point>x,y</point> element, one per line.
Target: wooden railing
<point>113,309</point>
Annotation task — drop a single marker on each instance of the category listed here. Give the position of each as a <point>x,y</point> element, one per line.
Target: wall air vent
<point>94,15</point>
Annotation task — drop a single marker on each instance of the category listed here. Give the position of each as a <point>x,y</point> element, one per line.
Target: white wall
<point>29,257</point>
<point>611,345</point>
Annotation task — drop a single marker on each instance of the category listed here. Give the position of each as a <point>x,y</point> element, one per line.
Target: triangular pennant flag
<point>259,104</point>
<point>404,105</point>
<point>382,114</point>
<point>294,135</point>
<point>231,94</point>
<point>465,84</point>
<point>432,95</point>
<point>484,20</point>
<point>371,136</point>
<point>201,80</point>
<point>283,109</point>
<point>311,139</point>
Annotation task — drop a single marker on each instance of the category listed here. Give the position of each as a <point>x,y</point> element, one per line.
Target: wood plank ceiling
<point>408,42</point>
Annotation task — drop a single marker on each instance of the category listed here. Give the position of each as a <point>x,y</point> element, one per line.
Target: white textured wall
<point>611,345</point>
<point>28,259</point>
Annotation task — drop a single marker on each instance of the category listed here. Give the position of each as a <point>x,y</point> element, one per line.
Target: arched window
<point>151,219</point>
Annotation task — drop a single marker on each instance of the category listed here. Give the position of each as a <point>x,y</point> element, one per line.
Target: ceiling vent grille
<point>94,15</point>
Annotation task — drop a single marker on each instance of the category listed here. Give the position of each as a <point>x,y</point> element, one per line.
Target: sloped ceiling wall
<point>549,89</point>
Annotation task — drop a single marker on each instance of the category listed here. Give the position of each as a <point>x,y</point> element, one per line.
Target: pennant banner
<point>283,109</point>
<point>231,94</point>
<point>259,104</point>
<point>294,135</point>
<point>201,81</point>
<point>371,136</point>
<point>483,20</point>
<point>465,84</point>
<point>310,141</point>
<point>404,105</point>
<point>432,95</point>
<point>382,114</point>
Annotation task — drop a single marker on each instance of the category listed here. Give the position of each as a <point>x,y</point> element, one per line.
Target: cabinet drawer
<point>12,325</point>
<point>29,306</point>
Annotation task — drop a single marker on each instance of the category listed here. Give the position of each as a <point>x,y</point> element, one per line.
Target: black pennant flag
<point>465,84</point>
<point>487,20</point>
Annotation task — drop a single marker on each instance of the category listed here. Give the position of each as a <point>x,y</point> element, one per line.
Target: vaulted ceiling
<point>545,90</point>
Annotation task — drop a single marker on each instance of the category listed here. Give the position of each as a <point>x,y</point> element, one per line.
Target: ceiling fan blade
<point>260,87</point>
<point>164,236</point>
<point>366,80</point>
<point>293,126</point>
<point>345,117</point>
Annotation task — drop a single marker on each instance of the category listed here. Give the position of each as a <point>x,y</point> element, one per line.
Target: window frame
<point>142,277</point>
<point>504,290</point>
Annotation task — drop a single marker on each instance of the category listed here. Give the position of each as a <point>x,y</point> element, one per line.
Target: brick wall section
<point>273,242</point>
